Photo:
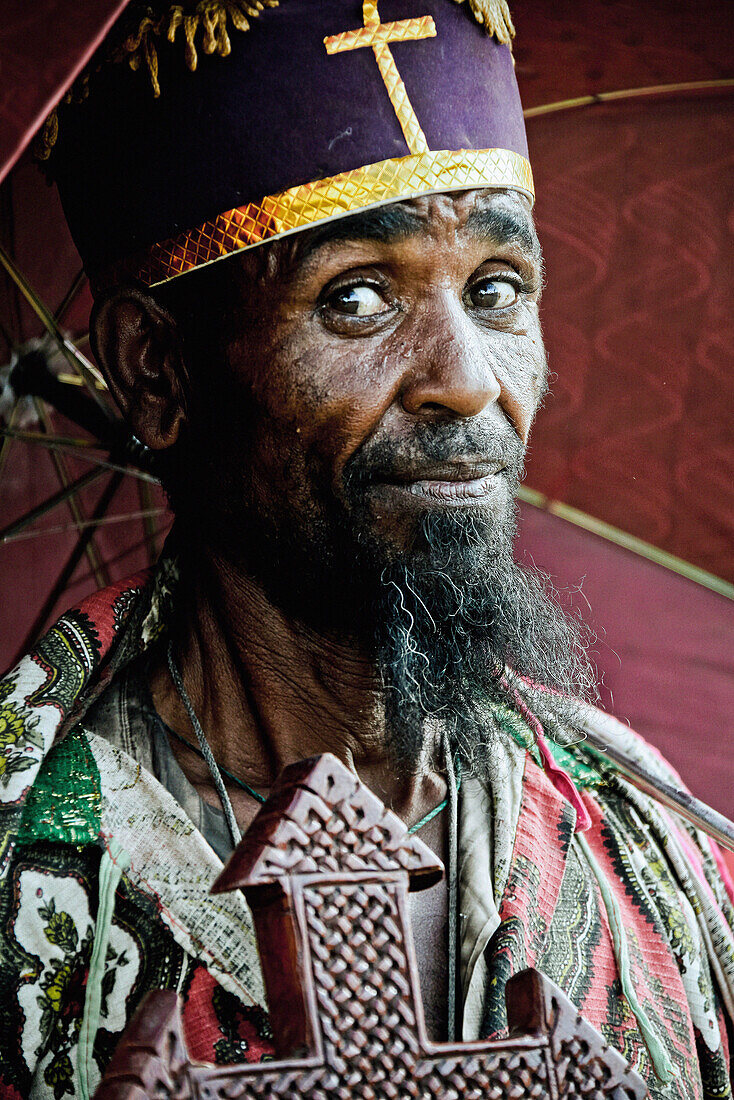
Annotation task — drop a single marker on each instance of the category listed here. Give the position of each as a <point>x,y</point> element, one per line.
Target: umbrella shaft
<point>692,809</point>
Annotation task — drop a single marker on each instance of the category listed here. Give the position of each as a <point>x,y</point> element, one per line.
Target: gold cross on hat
<point>379,36</point>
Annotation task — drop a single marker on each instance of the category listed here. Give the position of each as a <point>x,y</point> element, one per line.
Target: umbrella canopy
<point>43,48</point>
<point>634,183</point>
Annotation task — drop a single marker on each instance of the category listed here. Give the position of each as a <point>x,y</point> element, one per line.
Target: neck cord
<point>204,749</point>
<point>453,781</point>
<point>217,770</point>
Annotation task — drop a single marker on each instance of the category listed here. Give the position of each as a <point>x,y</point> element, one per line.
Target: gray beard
<point>444,619</point>
<point>444,624</point>
<point>455,631</point>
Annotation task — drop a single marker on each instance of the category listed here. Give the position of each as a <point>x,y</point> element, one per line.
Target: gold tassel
<point>175,21</point>
<point>139,48</point>
<point>213,17</point>
<point>45,139</point>
<point>495,17</point>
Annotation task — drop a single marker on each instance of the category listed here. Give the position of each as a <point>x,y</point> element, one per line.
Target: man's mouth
<point>454,483</point>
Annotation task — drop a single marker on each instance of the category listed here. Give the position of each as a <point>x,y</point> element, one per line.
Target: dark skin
<point>366,336</point>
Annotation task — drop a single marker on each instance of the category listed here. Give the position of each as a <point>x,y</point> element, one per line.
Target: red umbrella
<point>630,124</point>
<point>43,48</point>
<point>629,489</point>
<point>64,460</point>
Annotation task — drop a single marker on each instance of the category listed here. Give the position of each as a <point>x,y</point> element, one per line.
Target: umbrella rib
<point>145,497</point>
<point>7,337</point>
<point>624,539</point>
<point>7,435</point>
<point>81,447</point>
<point>76,379</point>
<point>73,356</point>
<point>73,560</point>
<point>101,575</point>
<point>594,98</point>
<point>54,442</point>
<point>128,550</point>
<point>52,502</point>
<point>77,284</point>
<point>63,529</point>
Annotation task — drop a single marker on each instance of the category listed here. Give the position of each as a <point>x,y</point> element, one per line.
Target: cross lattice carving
<point>379,36</point>
<point>326,870</point>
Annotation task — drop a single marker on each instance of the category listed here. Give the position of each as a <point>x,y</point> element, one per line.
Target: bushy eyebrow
<point>503,227</point>
<point>396,222</point>
<point>384,223</point>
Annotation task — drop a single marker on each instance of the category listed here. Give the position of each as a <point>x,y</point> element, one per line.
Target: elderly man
<point>339,417</point>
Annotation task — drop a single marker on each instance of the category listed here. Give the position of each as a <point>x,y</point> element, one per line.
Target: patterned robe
<point>104,886</point>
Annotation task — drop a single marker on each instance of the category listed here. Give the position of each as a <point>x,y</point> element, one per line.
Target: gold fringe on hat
<point>494,15</point>
<point>211,17</point>
<point>139,49</point>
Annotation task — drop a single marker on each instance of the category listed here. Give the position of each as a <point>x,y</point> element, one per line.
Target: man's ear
<point>136,344</point>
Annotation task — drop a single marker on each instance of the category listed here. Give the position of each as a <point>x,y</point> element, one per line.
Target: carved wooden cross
<point>379,36</point>
<point>326,870</point>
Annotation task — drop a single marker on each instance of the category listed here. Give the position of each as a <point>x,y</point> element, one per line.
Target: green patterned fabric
<point>583,773</point>
<point>515,726</point>
<point>64,802</point>
<point>80,946</point>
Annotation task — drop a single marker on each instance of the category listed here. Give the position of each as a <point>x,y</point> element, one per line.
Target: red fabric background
<point>664,647</point>
<point>635,215</point>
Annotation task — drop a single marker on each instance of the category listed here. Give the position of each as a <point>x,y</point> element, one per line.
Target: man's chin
<point>401,517</point>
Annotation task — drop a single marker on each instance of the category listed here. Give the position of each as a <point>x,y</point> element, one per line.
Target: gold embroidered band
<point>309,203</point>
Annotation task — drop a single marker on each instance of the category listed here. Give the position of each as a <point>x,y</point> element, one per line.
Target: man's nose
<point>451,372</point>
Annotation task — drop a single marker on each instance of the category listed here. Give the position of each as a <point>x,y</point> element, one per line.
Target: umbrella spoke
<point>77,513</point>
<point>51,442</point>
<point>126,552</point>
<point>7,435</point>
<point>5,333</point>
<point>64,528</point>
<point>76,379</point>
<point>73,560</point>
<point>626,540</point>
<point>147,512</point>
<point>52,502</point>
<point>80,447</point>
<point>74,357</point>
<point>78,283</point>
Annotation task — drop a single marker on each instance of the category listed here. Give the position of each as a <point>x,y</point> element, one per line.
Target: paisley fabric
<point>72,801</point>
<point>552,917</point>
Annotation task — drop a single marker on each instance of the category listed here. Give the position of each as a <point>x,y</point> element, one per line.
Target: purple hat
<point>320,110</point>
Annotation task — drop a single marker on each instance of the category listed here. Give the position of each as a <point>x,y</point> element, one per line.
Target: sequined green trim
<point>582,773</point>
<point>64,803</point>
<point>515,726</point>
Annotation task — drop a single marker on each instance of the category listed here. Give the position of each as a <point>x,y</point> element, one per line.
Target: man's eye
<point>493,293</point>
<point>357,301</point>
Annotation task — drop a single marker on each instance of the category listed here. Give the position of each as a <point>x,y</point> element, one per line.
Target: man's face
<point>383,370</point>
<point>359,449</point>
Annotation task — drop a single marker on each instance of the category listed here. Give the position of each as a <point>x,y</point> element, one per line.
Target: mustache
<point>464,446</point>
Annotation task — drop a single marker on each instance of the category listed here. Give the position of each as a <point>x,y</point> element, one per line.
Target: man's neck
<point>268,691</point>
